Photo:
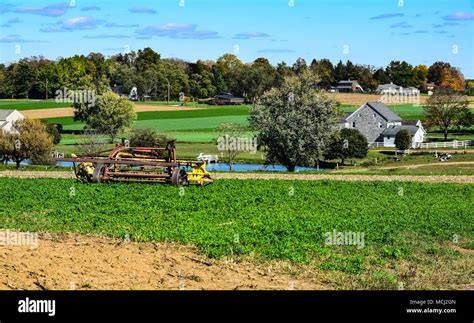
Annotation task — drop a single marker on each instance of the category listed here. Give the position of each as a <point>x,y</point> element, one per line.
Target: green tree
<point>260,77</point>
<point>110,114</point>
<point>201,85</point>
<point>53,131</point>
<point>282,72</point>
<point>381,77</point>
<point>324,70</point>
<point>146,59</point>
<point>295,122</point>
<point>401,73</point>
<point>340,72</point>
<point>403,140</point>
<point>22,76</point>
<point>300,66</point>
<point>348,143</point>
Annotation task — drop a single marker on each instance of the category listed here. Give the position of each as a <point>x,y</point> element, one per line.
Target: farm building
<point>396,89</point>
<point>8,118</point>
<point>227,99</point>
<point>379,125</point>
<point>417,134</point>
<point>349,86</point>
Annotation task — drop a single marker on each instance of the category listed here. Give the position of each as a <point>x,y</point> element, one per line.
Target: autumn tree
<point>29,140</point>
<point>446,109</point>
<point>147,138</point>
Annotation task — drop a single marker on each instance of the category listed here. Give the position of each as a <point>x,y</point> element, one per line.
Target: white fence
<point>452,144</point>
<point>428,145</point>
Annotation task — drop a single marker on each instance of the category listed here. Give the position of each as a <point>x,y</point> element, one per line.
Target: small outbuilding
<point>227,99</point>
<point>349,86</point>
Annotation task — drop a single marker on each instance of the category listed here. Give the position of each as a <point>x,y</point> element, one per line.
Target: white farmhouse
<point>8,118</point>
<point>393,89</point>
<point>380,125</point>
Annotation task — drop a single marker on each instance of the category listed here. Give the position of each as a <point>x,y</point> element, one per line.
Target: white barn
<point>8,118</point>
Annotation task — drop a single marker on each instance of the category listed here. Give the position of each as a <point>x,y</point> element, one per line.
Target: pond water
<point>238,167</point>
<point>254,167</point>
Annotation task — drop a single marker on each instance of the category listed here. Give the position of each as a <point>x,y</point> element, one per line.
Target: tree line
<point>160,78</point>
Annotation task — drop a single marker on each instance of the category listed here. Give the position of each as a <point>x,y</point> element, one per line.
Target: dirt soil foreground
<point>76,262</point>
<point>306,177</point>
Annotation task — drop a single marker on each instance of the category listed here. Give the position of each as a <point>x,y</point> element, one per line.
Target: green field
<point>31,104</point>
<point>261,219</point>
<point>185,126</point>
<point>405,111</point>
<point>199,125</point>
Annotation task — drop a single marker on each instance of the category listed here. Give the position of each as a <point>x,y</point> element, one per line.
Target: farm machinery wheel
<point>179,177</point>
<point>97,174</point>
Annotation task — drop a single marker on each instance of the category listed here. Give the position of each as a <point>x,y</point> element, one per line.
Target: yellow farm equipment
<point>140,164</point>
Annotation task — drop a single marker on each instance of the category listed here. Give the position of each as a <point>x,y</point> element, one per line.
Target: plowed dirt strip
<point>64,262</point>
<point>69,112</point>
<point>290,177</point>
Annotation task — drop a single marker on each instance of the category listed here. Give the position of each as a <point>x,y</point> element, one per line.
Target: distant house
<point>8,118</point>
<point>388,88</point>
<point>428,86</point>
<point>396,89</point>
<point>380,125</point>
<point>349,86</point>
<point>227,99</point>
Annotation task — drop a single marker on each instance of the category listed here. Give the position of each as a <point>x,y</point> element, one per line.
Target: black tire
<point>179,177</point>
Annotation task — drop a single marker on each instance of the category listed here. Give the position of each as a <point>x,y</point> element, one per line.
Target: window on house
<point>388,137</point>
<point>353,124</point>
<point>380,125</point>
<point>374,115</point>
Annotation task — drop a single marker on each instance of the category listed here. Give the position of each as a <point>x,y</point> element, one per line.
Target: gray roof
<point>228,96</point>
<point>5,113</point>
<point>348,82</point>
<point>410,122</point>
<point>393,130</point>
<point>385,112</point>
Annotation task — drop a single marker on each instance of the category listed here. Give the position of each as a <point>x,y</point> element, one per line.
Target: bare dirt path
<point>358,99</point>
<point>430,164</point>
<point>69,112</point>
<point>405,166</point>
<point>63,262</point>
<point>291,177</point>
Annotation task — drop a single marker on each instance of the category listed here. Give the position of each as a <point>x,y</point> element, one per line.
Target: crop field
<point>185,126</point>
<point>21,105</point>
<point>422,224</point>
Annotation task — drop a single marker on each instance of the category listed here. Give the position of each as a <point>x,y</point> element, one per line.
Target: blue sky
<point>364,31</point>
